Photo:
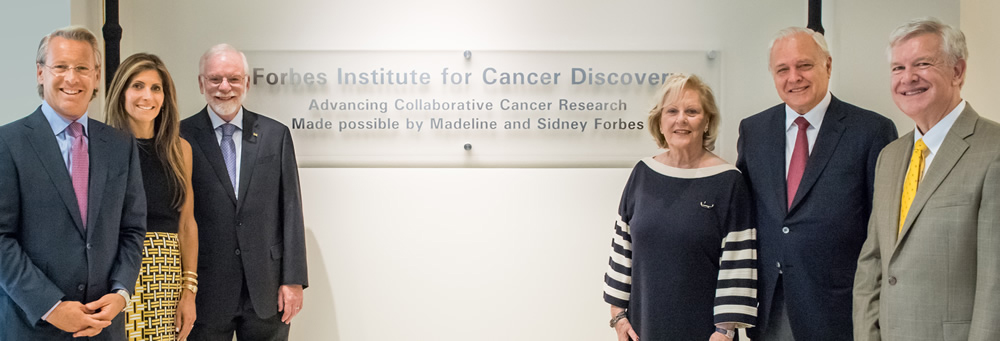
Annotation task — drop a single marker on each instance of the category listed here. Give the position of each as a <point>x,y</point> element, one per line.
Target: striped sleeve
<point>618,278</point>
<point>736,288</point>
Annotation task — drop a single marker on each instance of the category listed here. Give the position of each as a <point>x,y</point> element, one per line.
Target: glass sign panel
<point>468,109</point>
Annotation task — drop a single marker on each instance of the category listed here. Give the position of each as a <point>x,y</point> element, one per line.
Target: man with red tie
<point>810,165</point>
<point>73,210</point>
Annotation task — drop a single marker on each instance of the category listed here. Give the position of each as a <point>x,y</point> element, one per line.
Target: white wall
<point>20,38</point>
<point>491,254</point>
<point>982,33</point>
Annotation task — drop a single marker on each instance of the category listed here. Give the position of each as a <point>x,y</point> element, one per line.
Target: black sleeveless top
<point>161,216</point>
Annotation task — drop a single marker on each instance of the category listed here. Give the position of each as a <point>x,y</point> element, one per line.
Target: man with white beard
<point>248,207</point>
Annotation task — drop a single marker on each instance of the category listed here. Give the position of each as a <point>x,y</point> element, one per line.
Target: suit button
<point>892,280</point>
<point>784,230</point>
<point>80,287</point>
<point>237,252</point>
<point>239,224</point>
<point>88,246</point>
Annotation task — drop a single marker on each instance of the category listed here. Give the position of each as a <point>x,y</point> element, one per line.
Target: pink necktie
<point>800,154</point>
<point>79,167</point>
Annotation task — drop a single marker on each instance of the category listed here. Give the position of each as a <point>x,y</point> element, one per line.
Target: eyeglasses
<point>234,80</point>
<point>62,69</point>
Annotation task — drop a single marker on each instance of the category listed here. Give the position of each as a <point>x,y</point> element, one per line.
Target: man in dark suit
<point>73,211</point>
<point>810,165</point>
<point>252,263</point>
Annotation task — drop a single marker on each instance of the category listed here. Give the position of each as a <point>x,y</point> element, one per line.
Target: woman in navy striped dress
<point>683,258</point>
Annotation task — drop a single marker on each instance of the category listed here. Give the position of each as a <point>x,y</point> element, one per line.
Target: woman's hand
<point>186,314</point>
<point>716,336</point>
<point>624,330</point>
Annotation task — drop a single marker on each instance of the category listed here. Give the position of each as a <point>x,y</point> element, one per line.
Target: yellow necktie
<point>913,175</point>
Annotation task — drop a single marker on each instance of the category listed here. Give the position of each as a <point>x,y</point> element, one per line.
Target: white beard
<point>228,107</point>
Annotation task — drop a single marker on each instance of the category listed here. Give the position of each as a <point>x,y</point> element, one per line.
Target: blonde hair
<point>671,90</point>
<point>76,33</point>
<point>166,125</point>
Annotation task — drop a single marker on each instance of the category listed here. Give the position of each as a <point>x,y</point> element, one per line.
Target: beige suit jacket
<point>940,278</point>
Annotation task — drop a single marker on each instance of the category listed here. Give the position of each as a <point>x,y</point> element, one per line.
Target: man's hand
<point>289,301</point>
<point>107,307</point>
<point>74,317</point>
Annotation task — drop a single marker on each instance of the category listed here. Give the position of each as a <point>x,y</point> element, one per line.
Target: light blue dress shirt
<point>237,139</point>
<point>59,125</point>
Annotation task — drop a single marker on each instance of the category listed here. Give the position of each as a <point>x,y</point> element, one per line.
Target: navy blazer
<point>815,243</point>
<point>259,238</point>
<point>45,253</point>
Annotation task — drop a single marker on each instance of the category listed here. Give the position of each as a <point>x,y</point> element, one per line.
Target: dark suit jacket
<point>260,238</point>
<point>45,253</point>
<point>817,241</point>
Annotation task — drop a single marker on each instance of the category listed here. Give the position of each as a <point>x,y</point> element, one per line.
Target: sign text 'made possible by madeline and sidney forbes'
<point>462,109</point>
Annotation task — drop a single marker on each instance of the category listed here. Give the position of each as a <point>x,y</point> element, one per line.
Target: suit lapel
<point>952,149</point>
<point>248,155</point>
<point>896,163</point>
<point>97,148</point>
<point>773,156</point>
<point>826,143</point>
<point>47,149</point>
<point>210,147</point>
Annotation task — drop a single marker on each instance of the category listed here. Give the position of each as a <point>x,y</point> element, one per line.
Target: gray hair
<point>790,31</point>
<point>952,39</point>
<point>220,48</point>
<point>77,33</point>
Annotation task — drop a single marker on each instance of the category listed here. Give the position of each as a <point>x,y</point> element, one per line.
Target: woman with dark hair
<point>142,101</point>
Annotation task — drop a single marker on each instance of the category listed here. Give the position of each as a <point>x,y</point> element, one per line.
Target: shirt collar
<point>218,122</point>
<point>935,136</point>
<point>814,115</point>
<point>59,123</point>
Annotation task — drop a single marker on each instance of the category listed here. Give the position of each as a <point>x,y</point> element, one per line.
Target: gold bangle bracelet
<point>189,279</point>
<point>193,288</point>
<point>192,273</point>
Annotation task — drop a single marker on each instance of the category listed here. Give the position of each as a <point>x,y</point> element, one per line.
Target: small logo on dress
<point>706,205</point>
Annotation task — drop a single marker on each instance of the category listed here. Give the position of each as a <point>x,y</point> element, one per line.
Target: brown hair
<point>672,89</point>
<point>166,125</point>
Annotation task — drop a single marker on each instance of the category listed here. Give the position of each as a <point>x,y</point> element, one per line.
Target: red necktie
<point>799,156</point>
<point>79,167</point>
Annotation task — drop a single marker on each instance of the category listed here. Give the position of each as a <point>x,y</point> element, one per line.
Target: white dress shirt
<point>935,136</point>
<point>815,118</point>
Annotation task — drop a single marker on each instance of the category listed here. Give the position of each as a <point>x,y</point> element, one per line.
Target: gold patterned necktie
<point>913,175</point>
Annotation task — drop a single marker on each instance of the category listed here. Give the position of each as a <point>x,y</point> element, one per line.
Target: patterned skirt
<point>150,314</point>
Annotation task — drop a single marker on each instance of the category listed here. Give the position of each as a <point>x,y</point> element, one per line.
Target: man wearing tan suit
<point>930,268</point>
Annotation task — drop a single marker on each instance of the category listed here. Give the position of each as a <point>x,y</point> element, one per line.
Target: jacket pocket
<point>955,331</point>
<point>949,200</point>
<point>277,250</point>
<point>266,159</point>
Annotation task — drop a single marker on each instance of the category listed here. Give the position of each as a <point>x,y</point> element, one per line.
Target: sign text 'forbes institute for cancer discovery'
<point>514,109</point>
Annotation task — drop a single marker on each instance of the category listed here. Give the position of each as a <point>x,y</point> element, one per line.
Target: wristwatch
<point>619,317</point>
<point>730,333</point>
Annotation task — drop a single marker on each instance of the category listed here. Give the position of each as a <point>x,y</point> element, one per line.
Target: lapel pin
<point>254,134</point>
<point>704,204</point>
